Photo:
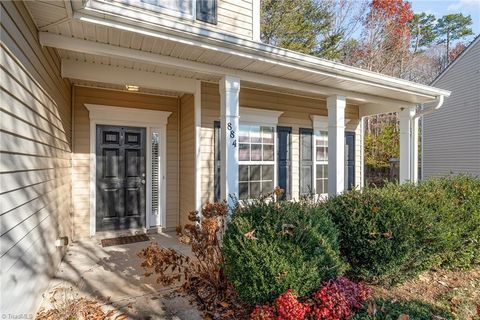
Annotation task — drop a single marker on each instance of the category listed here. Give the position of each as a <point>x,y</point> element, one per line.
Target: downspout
<point>414,142</point>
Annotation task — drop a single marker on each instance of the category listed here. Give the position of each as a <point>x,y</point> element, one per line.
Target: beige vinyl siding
<point>35,173</point>
<point>452,134</point>
<point>296,114</point>
<point>234,17</point>
<point>81,149</point>
<point>187,157</point>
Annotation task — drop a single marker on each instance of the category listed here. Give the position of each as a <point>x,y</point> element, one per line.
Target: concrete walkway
<point>113,276</point>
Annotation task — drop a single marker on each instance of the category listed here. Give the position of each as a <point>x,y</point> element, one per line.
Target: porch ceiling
<point>100,39</point>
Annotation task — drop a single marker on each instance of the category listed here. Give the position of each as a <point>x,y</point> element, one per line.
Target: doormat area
<point>124,240</point>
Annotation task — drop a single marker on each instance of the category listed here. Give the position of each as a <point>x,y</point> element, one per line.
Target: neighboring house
<point>125,115</point>
<point>451,136</point>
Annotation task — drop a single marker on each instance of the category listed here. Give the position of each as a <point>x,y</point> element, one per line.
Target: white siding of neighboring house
<point>35,172</point>
<point>451,138</point>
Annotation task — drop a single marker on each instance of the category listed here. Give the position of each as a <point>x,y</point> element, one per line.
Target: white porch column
<point>406,119</point>
<point>229,113</point>
<point>336,144</point>
<point>414,158</point>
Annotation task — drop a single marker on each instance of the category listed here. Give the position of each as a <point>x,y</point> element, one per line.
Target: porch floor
<point>113,276</point>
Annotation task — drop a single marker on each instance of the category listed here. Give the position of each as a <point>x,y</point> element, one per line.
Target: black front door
<point>120,154</point>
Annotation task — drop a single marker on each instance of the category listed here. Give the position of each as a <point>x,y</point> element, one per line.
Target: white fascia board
<point>263,52</point>
<point>106,50</point>
<point>122,76</point>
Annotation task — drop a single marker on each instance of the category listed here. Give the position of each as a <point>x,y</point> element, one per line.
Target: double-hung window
<point>256,158</point>
<point>257,153</point>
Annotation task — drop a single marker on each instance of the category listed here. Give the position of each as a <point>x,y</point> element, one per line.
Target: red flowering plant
<point>337,299</point>
<point>285,307</point>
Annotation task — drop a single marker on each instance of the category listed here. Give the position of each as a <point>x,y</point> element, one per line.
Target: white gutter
<point>423,112</point>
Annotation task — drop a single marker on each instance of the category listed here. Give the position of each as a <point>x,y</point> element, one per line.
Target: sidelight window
<point>155,172</point>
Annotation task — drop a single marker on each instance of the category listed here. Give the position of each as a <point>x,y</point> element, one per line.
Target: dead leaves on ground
<point>200,275</point>
<point>68,305</point>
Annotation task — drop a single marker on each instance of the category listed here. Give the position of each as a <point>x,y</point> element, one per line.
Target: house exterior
<point>125,115</point>
<point>451,136</point>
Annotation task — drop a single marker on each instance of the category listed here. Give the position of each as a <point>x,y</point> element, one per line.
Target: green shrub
<point>270,247</point>
<point>457,199</point>
<point>391,234</point>
<point>385,236</point>
<point>392,310</point>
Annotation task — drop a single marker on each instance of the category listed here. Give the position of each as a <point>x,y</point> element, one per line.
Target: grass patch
<point>455,292</point>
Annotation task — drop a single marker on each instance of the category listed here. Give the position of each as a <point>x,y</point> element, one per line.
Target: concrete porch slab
<point>114,277</point>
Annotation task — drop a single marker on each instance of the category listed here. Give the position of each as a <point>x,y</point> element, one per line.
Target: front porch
<point>113,277</point>
<point>304,143</point>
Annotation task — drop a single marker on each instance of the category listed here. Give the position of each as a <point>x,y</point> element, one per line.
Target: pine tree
<point>452,27</point>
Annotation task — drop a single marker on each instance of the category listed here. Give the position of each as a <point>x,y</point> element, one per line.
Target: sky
<point>443,7</point>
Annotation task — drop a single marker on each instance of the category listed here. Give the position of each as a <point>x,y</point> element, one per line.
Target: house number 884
<point>232,134</point>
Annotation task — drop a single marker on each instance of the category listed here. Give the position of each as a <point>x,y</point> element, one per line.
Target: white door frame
<point>152,121</point>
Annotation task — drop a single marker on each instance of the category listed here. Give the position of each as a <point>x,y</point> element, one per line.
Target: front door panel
<point>120,154</point>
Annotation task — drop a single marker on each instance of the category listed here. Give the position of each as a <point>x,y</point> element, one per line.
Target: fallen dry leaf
<point>249,234</point>
<point>404,317</point>
<point>372,308</point>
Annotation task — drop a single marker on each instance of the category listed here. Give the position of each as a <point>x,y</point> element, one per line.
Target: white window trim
<point>256,20</point>
<point>267,118</point>
<point>320,123</point>
<point>259,116</point>
<point>152,121</point>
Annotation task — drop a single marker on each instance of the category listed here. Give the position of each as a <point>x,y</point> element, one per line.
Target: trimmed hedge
<point>391,234</point>
<point>270,247</point>
<point>457,199</point>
